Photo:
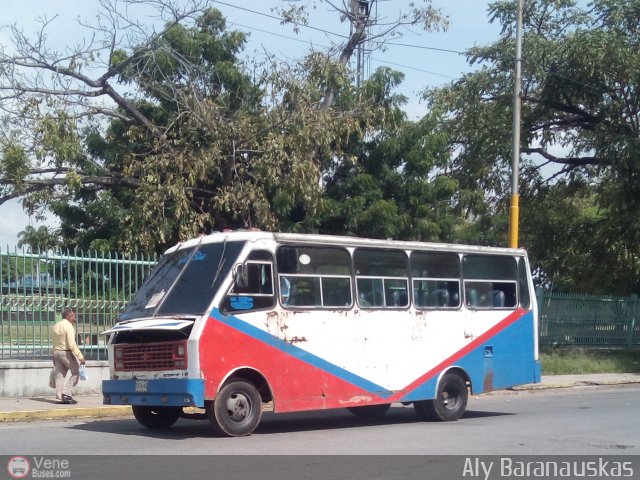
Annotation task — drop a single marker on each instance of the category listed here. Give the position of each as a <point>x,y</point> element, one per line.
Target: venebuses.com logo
<point>38,467</point>
<point>18,467</point>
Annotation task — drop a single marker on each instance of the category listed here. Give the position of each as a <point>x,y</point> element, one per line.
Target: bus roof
<point>344,241</point>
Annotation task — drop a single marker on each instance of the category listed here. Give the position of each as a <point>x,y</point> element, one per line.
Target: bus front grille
<point>150,356</point>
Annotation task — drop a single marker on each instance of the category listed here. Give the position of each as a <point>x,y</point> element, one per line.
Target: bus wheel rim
<point>450,398</point>
<point>238,407</point>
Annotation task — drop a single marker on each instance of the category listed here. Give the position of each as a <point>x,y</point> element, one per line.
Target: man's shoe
<point>66,399</point>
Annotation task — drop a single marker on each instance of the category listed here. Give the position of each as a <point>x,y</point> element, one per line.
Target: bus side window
<point>285,290</point>
<point>304,292</point>
<point>498,298</point>
<point>436,279</point>
<point>258,293</point>
<point>336,292</point>
<point>381,278</point>
<point>471,296</point>
<point>370,292</point>
<point>525,298</point>
<point>314,276</point>
<point>396,293</point>
<point>490,281</point>
<point>259,280</point>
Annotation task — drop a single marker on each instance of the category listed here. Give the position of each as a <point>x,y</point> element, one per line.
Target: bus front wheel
<point>450,402</point>
<point>156,417</point>
<point>237,409</point>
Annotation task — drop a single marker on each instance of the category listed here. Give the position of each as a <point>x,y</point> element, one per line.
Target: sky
<point>421,57</point>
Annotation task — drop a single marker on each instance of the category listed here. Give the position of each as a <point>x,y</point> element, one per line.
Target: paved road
<point>587,420</point>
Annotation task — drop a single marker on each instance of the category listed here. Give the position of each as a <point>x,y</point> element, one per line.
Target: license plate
<point>142,386</point>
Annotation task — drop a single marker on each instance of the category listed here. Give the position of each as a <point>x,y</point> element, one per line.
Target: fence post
<point>539,296</point>
<point>633,302</point>
<point>540,301</point>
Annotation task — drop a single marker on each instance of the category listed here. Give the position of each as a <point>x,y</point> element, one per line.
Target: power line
<point>328,32</point>
<point>412,68</point>
<point>423,47</point>
<point>299,40</point>
<point>274,17</point>
<point>379,60</point>
<point>426,48</point>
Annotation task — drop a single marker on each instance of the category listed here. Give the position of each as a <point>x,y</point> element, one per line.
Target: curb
<point>79,412</point>
<point>603,383</point>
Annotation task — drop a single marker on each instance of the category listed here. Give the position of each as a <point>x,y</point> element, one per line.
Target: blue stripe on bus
<point>300,354</point>
<point>513,351</point>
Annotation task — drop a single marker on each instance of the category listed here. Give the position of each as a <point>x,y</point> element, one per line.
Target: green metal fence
<point>37,286</point>
<point>588,320</point>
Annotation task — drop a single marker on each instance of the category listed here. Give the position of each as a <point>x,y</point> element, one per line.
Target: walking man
<point>66,356</point>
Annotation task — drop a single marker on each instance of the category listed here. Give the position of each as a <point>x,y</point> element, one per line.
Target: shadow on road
<point>274,423</point>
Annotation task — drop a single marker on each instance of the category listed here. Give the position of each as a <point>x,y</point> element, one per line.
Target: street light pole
<point>514,210</point>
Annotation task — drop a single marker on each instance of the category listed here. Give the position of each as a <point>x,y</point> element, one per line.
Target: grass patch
<point>25,334</point>
<point>575,361</point>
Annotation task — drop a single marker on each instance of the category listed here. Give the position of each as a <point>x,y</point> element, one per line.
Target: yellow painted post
<point>514,216</point>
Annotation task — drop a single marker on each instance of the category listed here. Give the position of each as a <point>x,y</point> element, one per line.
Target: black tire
<point>450,402</point>
<point>370,411</point>
<point>237,409</point>
<point>156,417</point>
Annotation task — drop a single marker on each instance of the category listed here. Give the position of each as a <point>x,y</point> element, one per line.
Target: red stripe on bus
<point>497,328</point>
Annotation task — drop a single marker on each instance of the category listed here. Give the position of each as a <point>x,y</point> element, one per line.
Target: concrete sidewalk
<point>39,408</point>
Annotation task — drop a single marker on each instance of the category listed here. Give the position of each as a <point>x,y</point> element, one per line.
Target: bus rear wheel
<point>156,417</point>
<point>450,402</point>
<point>237,409</point>
<point>370,411</point>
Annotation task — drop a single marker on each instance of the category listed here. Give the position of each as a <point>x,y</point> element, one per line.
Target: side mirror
<point>241,276</point>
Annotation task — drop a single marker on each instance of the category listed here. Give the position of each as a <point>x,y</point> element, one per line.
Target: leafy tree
<point>140,144</point>
<point>38,240</point>
<point>563,236</point>
<point>579,126</point>
<point>190,143</point>
<point>392,182</point>
<point>9,269</point>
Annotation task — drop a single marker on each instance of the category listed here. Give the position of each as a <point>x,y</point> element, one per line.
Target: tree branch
<point>574,161</point>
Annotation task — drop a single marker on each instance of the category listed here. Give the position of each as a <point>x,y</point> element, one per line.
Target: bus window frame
<point>437,307</point>
<point>384,296</point>
<point>287,276</point>
<point>384,278</point>
<point>230,293</point>
<point>513,280</point>
<point>492,283</point>
<point>280,276</point>
<point>457,279</point>
<point>254,262</point>
<point>523,284</point>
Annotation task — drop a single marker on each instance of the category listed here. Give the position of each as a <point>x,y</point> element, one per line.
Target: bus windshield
<point>184,282</point>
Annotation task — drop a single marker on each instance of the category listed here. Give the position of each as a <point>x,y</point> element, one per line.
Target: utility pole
<point>358,16</point>
<point>514,210</point>
<point>360,9</point>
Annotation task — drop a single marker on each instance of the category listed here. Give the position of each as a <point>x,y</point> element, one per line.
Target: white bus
<point>234,321</point>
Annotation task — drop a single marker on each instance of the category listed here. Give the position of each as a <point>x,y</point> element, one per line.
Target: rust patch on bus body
<point>276,322</point>
<point>488,381</point>
<point>296,339</point>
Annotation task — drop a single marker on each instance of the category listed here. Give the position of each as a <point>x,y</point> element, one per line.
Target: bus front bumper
<point>170,392</point>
